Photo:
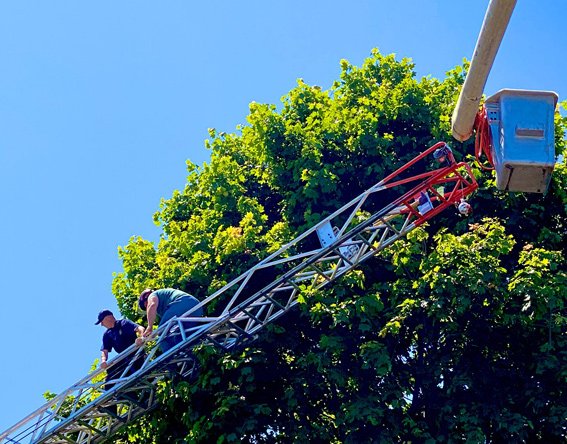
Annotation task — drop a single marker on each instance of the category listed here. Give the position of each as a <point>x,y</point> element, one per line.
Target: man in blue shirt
<point>119,335</point>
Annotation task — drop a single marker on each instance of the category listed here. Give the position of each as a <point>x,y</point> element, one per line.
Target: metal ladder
<point>85,413</point>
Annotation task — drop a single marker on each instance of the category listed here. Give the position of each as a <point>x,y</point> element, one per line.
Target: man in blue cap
<point>444,156</point>
<point>119,335</point>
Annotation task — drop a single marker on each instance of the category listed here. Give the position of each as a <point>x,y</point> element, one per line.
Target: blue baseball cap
<point>103,314</point>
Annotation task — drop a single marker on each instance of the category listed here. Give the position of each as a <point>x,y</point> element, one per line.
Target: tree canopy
<point>456,333</point>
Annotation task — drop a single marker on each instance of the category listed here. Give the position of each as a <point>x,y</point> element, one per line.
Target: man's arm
<point>151,312</point>
<point>104,358</point>
<point>140,335</point>
<point>138,331</point>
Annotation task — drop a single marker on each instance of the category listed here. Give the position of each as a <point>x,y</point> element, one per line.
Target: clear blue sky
<point>102,102</point>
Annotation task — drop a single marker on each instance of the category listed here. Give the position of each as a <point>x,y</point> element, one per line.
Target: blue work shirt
<point>119,337</point>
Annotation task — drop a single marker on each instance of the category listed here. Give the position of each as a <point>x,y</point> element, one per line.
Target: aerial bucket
<point>521,123</point>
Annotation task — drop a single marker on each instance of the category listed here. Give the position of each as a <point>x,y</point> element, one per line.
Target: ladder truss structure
<point>90,412</point>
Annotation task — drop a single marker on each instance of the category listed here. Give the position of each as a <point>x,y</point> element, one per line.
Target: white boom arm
<point>495,22</point>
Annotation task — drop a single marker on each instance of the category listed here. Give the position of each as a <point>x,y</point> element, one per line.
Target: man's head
<point>442,154</point>
<point>106,319</point>
<point>143,299</point>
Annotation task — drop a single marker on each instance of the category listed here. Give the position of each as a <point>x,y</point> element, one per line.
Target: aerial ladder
<point>86,412</point>
<point>368,224</point>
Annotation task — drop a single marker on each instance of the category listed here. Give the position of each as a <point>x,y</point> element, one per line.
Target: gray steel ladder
<point>85,413</point>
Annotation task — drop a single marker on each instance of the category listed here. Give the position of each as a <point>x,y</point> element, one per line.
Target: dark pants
<point>115,371</point>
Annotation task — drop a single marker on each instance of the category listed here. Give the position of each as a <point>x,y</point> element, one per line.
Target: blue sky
<point>102,103</point>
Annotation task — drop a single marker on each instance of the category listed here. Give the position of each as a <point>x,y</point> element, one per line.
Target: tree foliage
<point>454,334</point>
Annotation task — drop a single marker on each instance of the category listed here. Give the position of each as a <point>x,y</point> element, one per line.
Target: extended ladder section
<point>87,413</point>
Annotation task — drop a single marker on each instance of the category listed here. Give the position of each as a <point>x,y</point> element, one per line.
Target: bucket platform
<point>521,123</point>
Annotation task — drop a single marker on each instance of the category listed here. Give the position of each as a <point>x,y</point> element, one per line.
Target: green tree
<point>454,334</point>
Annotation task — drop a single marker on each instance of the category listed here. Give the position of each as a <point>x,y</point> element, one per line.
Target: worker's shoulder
<point>126,322</point>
